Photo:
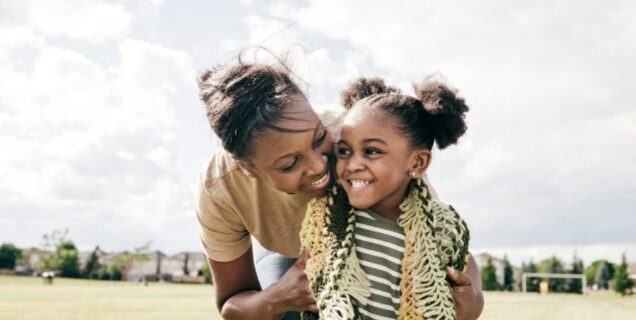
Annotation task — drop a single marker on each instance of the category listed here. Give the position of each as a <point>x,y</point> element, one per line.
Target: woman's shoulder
<point>218,167</point>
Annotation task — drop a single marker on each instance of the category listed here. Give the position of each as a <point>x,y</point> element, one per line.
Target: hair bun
<point>446,109</point>
<point>362,88</point>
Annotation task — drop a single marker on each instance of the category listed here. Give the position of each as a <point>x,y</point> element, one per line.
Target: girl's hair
<point>435,116</point>
<point>243,99</point>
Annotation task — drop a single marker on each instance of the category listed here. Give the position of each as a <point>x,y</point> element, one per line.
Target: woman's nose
<point>318,163</point>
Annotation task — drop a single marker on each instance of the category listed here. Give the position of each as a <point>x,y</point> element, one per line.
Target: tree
<point>122,263</point>
<point>206,272</point>
<point>508,281</point>
<point>601,273</point>
<point>533,283</point>
<point>575,285</point>
<point>186,271</point>
<point>91,269</point>
<point>554,265</point>
<point>50,244</point>
<point>68,260</point>
<point>8,256</point>
<point>489,277</point>
<point>622,283</point>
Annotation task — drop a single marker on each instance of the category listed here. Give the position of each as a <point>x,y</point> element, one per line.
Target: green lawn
<point>23,298</point>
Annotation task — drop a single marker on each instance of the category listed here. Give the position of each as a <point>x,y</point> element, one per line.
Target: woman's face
<point>294,162</point>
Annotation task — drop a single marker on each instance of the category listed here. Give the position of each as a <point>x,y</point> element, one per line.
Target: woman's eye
<point>321,138</point>
<point>292,165</point>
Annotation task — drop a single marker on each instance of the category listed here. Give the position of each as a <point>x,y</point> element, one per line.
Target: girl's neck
<point>390,206</point>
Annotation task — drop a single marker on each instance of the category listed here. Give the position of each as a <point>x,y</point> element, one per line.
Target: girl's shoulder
<point>444,213</point>
<point>452,234</point>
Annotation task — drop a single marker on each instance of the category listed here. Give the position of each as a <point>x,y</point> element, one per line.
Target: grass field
<point>23,298</point>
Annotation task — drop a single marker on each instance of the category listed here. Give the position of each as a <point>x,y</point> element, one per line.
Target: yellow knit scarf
<point>435,237</point>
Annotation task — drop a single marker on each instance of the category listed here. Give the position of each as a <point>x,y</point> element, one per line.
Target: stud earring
<point>413,174</point>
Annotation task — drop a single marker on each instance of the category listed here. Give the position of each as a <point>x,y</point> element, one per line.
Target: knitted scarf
<point>435,237</point>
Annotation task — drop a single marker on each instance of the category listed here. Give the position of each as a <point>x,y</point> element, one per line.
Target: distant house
<point>482,260</point>
<point>631,270</point>
<point>83,257</point>
<point>161,267</point>
<point>32,261</point>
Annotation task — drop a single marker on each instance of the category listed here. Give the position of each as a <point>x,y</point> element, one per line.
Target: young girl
<point>378,243</point>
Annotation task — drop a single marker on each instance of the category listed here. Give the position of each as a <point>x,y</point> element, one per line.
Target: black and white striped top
<point>380,247</point>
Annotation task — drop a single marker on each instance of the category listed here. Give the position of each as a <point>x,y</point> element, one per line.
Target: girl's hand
<point>293,288</point>
<point>469,301</point>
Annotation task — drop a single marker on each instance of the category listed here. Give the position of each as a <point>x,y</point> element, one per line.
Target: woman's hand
<point>293,288</point>
<point>469,301</point>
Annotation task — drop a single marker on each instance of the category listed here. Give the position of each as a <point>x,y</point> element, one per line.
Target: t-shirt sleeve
<point>223,234</point>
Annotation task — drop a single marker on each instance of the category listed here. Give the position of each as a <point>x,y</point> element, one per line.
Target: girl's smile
<point>373,161</point>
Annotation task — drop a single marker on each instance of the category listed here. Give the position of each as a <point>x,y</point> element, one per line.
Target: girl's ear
<point>420,160</point>
<point>247,168</point>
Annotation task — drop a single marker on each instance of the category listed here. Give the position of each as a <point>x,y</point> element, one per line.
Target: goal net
<point>526,275</point>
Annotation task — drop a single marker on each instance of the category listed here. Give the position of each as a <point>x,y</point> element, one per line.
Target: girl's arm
<point>469,300</point>
<point>239,294</point>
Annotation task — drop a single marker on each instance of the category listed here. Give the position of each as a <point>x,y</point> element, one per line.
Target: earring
<point>413,173</point>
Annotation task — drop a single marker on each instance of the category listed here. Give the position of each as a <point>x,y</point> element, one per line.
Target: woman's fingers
<point>302,260</point>
<point>459,278</point>
<point>313,308</point>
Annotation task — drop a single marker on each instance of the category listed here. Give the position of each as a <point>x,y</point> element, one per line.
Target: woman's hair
<point>436,115</point>
<point>242,100</point>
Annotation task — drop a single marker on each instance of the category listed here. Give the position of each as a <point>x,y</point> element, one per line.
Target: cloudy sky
<point>102,132</point>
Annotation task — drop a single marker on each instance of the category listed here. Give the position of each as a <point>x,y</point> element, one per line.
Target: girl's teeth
<point>359,184</point>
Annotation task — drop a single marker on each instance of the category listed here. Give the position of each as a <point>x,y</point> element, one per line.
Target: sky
<point>102,132</point>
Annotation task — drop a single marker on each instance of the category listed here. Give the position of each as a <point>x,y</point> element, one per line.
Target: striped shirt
<point>380,247</point>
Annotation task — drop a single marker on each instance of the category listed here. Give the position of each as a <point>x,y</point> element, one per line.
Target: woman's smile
<point>321,182</point>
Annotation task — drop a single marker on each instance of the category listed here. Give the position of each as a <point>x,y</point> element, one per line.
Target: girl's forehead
<point>363,115</point>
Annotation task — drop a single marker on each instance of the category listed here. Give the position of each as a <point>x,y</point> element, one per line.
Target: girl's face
<point>295,162</point>
<point>375,161</point>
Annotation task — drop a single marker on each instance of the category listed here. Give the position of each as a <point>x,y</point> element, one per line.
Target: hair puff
<point>446,109</point>
<point>364,87</point>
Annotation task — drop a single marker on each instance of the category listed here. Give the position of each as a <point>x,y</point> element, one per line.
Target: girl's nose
<point>355,163</point>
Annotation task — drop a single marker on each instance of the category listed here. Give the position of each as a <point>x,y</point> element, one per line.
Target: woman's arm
<point>469,300</point>
<point>239,294</point>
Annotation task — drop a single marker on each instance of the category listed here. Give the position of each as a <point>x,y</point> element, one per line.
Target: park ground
<point>24,298</point>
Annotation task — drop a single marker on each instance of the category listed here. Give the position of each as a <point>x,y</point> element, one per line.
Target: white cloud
<point>549,85</point>
<point>89,144</point>
<point>30,22</point>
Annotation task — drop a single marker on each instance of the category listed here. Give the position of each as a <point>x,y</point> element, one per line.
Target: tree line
<point>60,254</point>
<point>601,273</point>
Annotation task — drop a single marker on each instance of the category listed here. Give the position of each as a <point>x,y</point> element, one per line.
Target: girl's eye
<point>372,151</point>
<point>343,152</point>
<point>292,165</point>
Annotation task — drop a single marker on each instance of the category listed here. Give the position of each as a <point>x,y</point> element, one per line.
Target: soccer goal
<point>527,275</point>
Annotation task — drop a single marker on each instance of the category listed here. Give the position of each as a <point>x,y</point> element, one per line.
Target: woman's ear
<point>247,168</point>
<point>420,160</point>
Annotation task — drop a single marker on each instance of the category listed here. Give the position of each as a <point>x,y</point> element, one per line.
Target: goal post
<point>527,275</point>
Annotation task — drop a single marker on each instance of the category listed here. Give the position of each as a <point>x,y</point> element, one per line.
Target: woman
<point>275,158</point>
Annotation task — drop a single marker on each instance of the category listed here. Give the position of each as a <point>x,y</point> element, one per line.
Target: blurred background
<point>102,134</point>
